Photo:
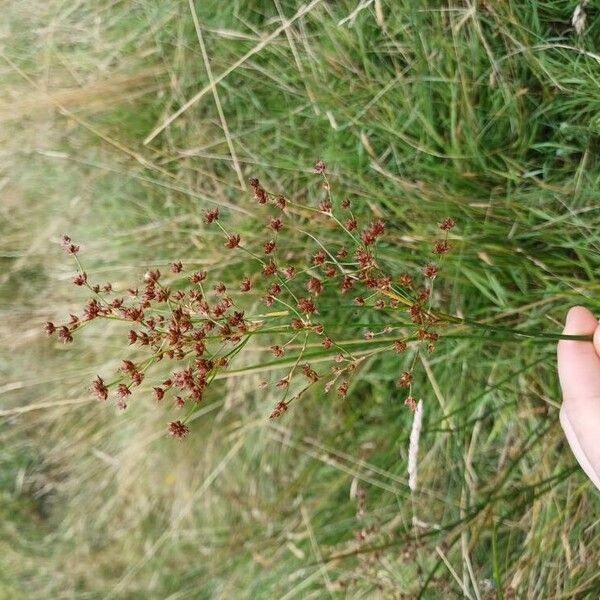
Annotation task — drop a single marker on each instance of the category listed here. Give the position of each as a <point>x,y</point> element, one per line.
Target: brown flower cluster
<point>199,324</point>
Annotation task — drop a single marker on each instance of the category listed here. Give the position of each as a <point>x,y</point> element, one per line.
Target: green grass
<point>486,111</point>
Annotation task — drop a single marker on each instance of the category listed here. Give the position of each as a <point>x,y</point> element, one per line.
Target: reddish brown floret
<point>69,246</point>
<point>405,379</point>
<point>346,204</point>
<point>276,224</point>
<point>319,258</point>
<point>430,271</point>
<point>399,346</point>
<point>198,277</point>
<point>233,241</point>
<point>405,280</point>
<point>49,327</point>
<point>64,335</point>
<point>315,286</point>
<point>343,389</point>
<point>447,224</point>
<point>178,429</point>
<point>123,390</point>
<point>176,267</point>
<point>310,373</point>
<point>159,393</point>
<point>277,351</point>
<point>320,167</point>
<point>278,410</point>
<point>99,388</point>
<point>80,279</point>
<point>246,285</point>
<point>270,269</point>
<point>351,224</point>
<point>210,216</point>
<point>269,246</point>
<point>307,306</point>
<point>411,403</point>
<point>326,207</point>
<point>441,247</point>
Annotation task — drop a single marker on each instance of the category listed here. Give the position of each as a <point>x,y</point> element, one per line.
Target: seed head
<point>176,267</point>
<point>270,269</point>
<point>49,327</point>
<point>178,429</point>
<point>99,388</point>
<point>80,279</point>
<point>307,306</point>
<point>399,346</point>
<point>233,241</point>
<point>405,379</point>
<point>447,224</point>
<point>198,277</point>
<point>441,247</point>
<point>411,403</point>
<point>269,246</point>
<point>123,390</point>
<point>315,286</point>
<point>69,246</point>
<point>278,410</point>
<point>210,216</point>
<point>430,271</point>
<point>246,285</point>
<point>64,335</point>
<point>276,224</point>
<point>320,167</point>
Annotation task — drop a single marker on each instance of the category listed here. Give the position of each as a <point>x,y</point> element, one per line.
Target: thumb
<point>579,373</point>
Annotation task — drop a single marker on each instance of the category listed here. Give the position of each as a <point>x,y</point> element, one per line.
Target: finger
<point>579,373</point>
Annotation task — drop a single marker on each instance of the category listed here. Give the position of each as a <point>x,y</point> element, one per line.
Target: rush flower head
<point>178,429</point>
<point>411,403</point>
<point>405,379</point>
<point>50,327</point>
<point>276,224</point>
<point>123,390</point>
<point>430,271</point>
<point>320,167</point>
<point>279,409</point>
<point>246,285</point>
<point>64,335</point>
<point>269,246</point>
<point>400,346</point>
<point>441,247</point>
<point>315,286</point>
<point>210,216</point>
<point>99,388</point>
<point>307,306</point>
<point>176,267</point>
<point>69,246</point>
<point>198,277</point>
<point>447,224</point>
<point>233,241</point>
<point>80,279</point>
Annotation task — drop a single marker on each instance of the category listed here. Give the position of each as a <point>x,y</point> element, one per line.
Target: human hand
<point>579,373</point>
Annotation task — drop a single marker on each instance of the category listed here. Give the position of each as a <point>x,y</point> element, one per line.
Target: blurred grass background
<point>486,111</point>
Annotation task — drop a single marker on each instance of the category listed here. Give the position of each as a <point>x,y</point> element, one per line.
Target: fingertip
<point>580,321</point>
<point>597,340</point>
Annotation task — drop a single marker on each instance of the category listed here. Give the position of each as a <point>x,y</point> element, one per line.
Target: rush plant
<point>200,324</point>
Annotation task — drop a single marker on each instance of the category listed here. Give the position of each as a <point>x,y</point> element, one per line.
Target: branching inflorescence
<point>200,325</point>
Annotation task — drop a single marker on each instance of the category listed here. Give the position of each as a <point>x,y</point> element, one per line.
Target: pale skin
<point>579,373</point>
